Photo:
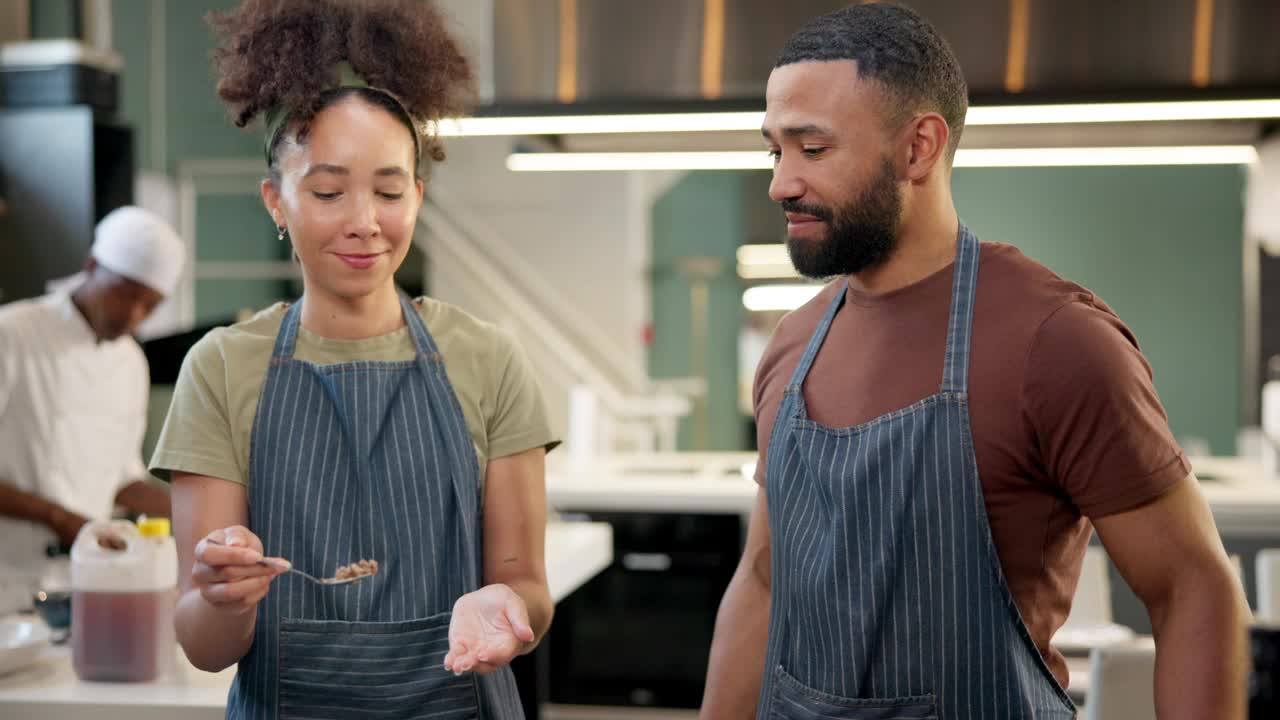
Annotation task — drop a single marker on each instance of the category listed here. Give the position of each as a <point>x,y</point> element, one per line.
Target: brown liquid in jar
<point>122,636</point>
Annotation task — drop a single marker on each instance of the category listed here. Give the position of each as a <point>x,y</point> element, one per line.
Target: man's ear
<point>929,137</point>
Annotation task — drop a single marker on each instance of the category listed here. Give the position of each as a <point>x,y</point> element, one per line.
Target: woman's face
<point>349,198</point>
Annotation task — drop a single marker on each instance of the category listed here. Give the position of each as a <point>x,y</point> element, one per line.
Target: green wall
<point>53,19</point>
<point>195,123</point>
<point>131,25</point>
<point>1163,248</point>
<point>192,124</point>
<point>702,215</point>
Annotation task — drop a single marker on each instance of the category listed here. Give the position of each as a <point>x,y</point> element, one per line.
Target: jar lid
<point>154,527</point>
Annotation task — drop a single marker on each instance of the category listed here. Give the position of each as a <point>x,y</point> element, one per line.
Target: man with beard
<point>940,430</point>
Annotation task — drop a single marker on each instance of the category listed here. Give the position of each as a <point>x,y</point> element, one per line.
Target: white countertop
<point>669,482</point>
<point>1243,501</point>
<point>50,690</point>
<point>576,552</point>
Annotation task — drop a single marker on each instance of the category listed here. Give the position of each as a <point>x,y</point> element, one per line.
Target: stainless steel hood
<point>637,53</point>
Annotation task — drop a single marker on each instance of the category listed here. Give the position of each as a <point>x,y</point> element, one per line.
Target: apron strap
<point>816,340</point>
<point>287,338</point>
<point>422,340</point>
<point>464,466</point>
<point>955,373</point>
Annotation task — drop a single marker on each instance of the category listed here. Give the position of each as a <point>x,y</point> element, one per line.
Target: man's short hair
<point>898,49</point>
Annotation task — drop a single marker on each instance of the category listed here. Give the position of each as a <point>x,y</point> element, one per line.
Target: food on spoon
<point>357,569</point>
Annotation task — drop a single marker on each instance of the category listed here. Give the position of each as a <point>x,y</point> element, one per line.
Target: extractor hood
<point>593,58</point>
<point>622,53</point>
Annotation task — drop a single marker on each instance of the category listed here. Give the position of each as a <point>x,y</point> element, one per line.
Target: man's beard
<point>861,234</point>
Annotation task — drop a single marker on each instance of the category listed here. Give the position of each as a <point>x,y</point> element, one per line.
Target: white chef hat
<point>140,245</point>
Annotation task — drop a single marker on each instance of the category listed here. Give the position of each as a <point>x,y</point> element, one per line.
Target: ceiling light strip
<point>975,157</point>
<point>751,121</point>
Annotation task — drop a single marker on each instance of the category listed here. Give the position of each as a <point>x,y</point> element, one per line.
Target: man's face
<point>833,173</point>
<point>119,305</point>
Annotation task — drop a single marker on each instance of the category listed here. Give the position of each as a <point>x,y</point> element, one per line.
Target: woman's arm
<point>515,534</point>
<point>507,616</point>
<point>220,585</point>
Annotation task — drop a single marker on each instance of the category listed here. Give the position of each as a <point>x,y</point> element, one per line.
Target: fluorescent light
<point>761,254</point>
<point>593,124</point>
<point>977,157</point>
<point>763,298</point>
<point>553,162</point>
<point>751,121</point>
<point>1123,112</point>
<point>1085,157</point>
<point>775,271</point>
<point>761,262</point>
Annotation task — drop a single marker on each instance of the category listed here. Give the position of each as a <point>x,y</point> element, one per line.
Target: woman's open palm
<point>489,628</point>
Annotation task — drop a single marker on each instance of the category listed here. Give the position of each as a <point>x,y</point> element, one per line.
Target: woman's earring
<point>280,233</point>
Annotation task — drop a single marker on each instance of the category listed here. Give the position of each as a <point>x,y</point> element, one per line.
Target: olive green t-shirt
<point>210,420</point>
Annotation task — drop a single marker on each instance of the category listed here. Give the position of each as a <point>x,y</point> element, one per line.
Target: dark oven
<point>639,633</point>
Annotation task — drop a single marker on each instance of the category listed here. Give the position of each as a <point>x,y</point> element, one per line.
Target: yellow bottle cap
<point>154,527</point>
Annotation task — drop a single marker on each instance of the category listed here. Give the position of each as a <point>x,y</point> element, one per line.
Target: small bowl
<point>54,607</point>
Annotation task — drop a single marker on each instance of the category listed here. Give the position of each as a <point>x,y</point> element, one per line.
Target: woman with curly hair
<point>355,424</point>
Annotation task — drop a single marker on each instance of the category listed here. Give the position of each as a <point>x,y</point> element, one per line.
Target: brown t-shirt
<point>1066,423</point>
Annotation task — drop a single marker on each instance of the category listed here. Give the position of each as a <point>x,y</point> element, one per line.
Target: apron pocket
<point>793,700</point>
<point>335,669</point>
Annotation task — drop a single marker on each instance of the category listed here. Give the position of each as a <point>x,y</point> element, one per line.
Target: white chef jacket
<point>72,416</point>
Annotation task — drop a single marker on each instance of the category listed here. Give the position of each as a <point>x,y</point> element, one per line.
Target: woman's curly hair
<point>286,53</point>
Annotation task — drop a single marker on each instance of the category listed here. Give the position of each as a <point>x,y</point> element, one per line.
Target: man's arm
<point>23,505</point>
<point>145,497</point>
<point>1171,555</point>
<point>736,668</point>
<point>141,497</point>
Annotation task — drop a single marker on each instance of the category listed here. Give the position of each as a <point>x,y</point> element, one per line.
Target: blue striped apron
<point>364,460</point>
<point>888,597</point>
